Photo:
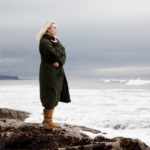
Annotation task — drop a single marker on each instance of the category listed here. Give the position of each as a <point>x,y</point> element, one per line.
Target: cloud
<point>123,69</point>
<point>10,61</point>
<point>22,67</point>
<point>111,72</point>
<point>96,34</point>
<point>74,13</point>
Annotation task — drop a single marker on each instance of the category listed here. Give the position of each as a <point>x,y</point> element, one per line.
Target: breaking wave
<point>138,82</point>
<point>127,82</point>
<point>125,125</point>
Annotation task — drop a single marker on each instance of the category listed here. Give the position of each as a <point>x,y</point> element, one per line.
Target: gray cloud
<point>96,34</point>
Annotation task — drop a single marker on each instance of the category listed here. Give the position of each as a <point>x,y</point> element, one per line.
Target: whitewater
<point>117,107</point>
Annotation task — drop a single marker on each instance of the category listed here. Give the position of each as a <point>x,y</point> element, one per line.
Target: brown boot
<point>44,118</point>
<point>48,122</point>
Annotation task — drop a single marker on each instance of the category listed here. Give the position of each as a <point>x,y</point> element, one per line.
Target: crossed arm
<point>54,52</point>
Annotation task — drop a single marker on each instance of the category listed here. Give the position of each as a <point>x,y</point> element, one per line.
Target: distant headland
<point>5,77</point>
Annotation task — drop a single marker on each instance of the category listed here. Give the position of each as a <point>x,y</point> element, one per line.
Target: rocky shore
<point>16,134</point>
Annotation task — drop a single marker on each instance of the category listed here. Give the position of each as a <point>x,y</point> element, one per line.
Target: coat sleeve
<point>62,59</point>
<point>51,51</point>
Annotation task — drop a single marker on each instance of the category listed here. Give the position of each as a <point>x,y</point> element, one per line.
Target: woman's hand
<point>56,64</point>
<point>55,40</point>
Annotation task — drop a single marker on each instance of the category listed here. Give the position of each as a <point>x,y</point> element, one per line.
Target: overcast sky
<point>103,38</point>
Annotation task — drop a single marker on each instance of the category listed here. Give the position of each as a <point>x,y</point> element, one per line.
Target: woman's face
<point>52,31</point>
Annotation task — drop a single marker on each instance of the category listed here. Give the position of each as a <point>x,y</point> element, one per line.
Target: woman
<point>53,82</point>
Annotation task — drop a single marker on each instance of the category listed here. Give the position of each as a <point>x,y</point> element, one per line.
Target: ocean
<point>117,107</point>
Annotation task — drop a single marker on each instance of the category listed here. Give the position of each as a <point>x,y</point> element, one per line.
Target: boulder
<point>13,114</point>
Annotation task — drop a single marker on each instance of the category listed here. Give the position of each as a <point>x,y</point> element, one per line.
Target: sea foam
<point>138,82</point>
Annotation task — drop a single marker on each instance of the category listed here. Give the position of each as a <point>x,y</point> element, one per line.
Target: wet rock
<point>82,128</point>
<point>121,143</point>
<point>9,123</point>
<point>129,144</point>
<point>99,146</point>
<point>15,134</point>
<point>36,136</point>
<point>13,114</point>
<point>101,138</point>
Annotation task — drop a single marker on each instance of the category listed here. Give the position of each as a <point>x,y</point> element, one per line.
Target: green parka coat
<point>53,82</point>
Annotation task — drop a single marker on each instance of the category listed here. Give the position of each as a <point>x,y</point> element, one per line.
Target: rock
<point>13,114</point>
<point>6,123</point>
<point>36,136</point>
<point>15,134</point>
<point>101,138</point>
<point>121,143</point>
<point>129,144</point>
<point>83,128</point>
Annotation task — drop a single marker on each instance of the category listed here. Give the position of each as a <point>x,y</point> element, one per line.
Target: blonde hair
<point>47,25</point>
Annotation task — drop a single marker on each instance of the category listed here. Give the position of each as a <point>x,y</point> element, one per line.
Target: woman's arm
<point>62,58</point>
<point>51,51</point>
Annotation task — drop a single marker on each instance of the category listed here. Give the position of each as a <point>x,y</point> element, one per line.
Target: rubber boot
<point>48,122</point>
